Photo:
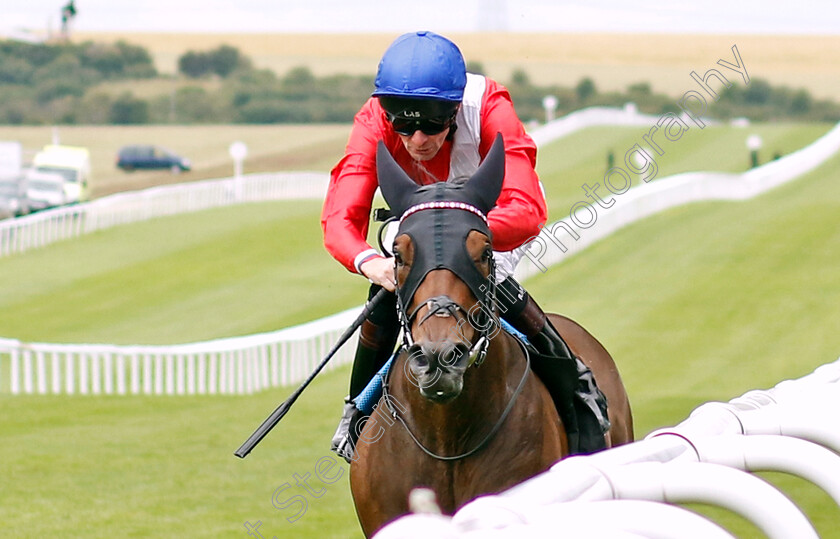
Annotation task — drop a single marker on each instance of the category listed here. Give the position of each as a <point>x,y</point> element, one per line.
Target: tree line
<point>62,83</point>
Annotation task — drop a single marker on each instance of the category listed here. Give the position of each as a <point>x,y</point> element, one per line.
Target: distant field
<point>612,60</point>
<point>261,260</point>
<point>270,148</point>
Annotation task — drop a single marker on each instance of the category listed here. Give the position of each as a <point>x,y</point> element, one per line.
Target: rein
<point>489,435</point>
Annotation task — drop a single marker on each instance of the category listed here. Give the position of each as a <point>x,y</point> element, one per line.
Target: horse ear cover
<point>440,233</point>
<point>485,185</point>
<point>396,186</point>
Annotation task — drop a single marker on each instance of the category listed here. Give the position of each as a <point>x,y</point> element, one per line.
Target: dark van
<point>148,157</point>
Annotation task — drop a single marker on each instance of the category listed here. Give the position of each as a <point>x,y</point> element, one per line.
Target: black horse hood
<point>439,217</point>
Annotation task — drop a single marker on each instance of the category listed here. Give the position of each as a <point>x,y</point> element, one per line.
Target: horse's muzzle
<point>437,369</point>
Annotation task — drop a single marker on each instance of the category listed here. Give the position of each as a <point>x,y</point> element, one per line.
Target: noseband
<point>445,307</point>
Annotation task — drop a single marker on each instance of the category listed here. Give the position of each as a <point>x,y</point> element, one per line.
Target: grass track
<point>701,302</point>
<point>569,163</point>
<point>194,277</point>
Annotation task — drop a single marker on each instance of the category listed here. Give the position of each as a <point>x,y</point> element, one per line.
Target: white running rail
<point>46,227</point>
<point>238,365</point>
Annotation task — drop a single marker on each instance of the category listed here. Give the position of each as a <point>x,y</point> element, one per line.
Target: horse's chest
<point>458,483</point>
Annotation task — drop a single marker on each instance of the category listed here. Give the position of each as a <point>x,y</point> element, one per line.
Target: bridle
<point>444,306</point>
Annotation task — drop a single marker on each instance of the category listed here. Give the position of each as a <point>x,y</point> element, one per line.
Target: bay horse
<point>462,412</point>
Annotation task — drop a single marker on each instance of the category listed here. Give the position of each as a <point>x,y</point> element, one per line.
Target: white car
<point>13,197</point>
<point>72,162</point>
<point>46,190</point>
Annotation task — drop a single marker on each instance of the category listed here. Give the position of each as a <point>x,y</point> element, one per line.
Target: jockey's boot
<point>585,415</point>
<point>589,415</point>
<point>347,434</point>
<point>376,344</point>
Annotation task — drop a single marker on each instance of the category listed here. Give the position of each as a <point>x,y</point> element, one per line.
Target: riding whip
<point>281,410</point>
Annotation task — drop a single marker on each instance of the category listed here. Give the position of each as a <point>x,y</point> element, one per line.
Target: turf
<point>699,303</point>
<point>568,164</point>
<point>152,467</point>
<point>187,278</point>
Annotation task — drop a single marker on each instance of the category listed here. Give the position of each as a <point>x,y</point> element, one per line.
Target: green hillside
<point>569,163</point>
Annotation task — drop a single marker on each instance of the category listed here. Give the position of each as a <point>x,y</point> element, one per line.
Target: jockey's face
<point>423,147</point>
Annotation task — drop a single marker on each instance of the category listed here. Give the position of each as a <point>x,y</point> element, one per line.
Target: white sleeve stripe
<point>361,257</point>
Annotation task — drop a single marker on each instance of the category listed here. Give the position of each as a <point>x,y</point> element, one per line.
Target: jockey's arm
<point>346,214</point>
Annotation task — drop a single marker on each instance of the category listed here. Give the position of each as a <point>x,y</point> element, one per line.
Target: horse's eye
<point>487,255</point>
<point>398,259</point>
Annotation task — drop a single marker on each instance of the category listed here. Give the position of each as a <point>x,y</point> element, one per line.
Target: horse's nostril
<point>453,355</point>
<point>417,356</point>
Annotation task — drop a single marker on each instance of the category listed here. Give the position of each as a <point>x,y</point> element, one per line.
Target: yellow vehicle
<point>71,162</point>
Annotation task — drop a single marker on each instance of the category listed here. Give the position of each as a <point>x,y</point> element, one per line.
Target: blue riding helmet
<point>422,65</point>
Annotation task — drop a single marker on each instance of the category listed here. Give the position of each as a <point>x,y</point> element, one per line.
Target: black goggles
<point>429,126</point>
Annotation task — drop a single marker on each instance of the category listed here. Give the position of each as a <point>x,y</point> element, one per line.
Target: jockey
<point>438,122</point>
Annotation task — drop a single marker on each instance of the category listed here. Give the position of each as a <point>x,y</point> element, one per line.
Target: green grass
<point>193,277</point>
<point>164,467</point>
<point>698,303</point>
<point>569,163</point>
<point>704,285</point>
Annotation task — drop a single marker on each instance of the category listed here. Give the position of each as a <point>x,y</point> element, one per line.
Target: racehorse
<point>462,413</point>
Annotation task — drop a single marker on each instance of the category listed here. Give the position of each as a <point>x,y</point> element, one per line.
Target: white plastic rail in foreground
<point>703,459</point>
<point>608,519</point>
